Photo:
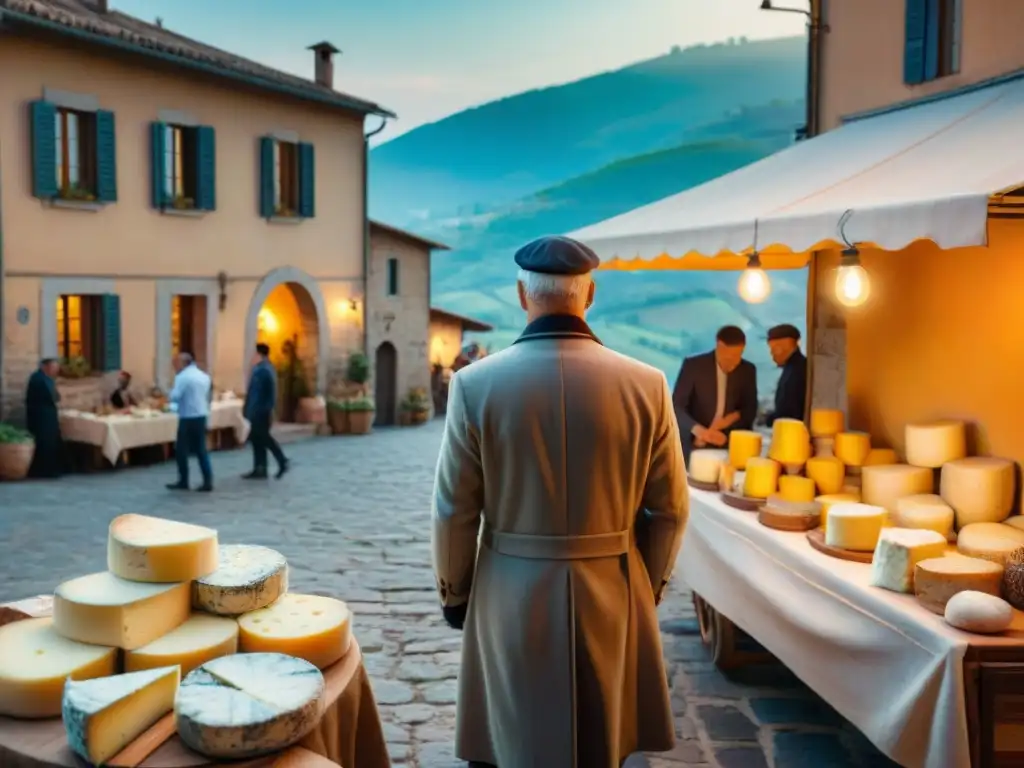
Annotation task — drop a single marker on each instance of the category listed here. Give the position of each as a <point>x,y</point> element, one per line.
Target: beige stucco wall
<point>445,341</point>
<point>862,62</point>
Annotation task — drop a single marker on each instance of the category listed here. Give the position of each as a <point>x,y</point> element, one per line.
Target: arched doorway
<point>385,376</point>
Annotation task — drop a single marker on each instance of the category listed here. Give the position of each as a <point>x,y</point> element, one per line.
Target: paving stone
<point>711,685</point>
<point>395,734</point>
<point>687,752</point>
<point>741,757</point>
<point>413,714</point>
<point>441,693</point>
<point>794,711</point>
<point>416,670</point>
<point>434,646</point>
<point>684,626</point>
<point>800,749</point>
<point>391,691</point>
<point>727,724</point>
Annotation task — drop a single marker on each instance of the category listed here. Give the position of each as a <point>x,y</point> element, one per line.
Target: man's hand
<point>455,616</point>
<point>715,437</point>
<point>722,423</point>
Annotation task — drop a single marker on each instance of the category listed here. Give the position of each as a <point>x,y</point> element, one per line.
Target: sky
<point>426,59</point>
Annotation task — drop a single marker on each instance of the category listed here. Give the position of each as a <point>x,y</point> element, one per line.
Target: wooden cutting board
<point>817,540</point>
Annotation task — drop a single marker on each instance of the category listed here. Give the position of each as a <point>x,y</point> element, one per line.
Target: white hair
<point>539,286</point>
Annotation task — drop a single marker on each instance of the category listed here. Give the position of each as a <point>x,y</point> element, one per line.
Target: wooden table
<point>349,734</point>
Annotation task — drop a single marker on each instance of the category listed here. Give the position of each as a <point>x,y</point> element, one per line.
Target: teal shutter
<point>266,177</point>
<point>307,181</point>
<point>914,42</point>
<point>206,168</point>
<point>106,157</point>
<point>157,151</point>
<point>43,117</point>
<point>932,45</point>
<point>111,313</point>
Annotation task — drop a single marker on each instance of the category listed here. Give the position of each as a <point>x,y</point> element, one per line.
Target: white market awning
<point>921,172</point>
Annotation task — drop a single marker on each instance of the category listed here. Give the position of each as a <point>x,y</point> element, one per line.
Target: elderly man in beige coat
<point>569,455</point>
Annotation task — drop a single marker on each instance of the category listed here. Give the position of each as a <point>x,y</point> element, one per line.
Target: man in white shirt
<point>190,399</point>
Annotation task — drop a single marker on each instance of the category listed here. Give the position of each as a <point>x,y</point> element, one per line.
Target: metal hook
<point>755,235</point>
<point>843,220</point>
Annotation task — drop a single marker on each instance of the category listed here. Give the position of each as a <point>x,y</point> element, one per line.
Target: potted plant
<point>16,450</point>
<point>337,416</point>
<point>416,406</point>
<point>74,368</point>
<point>360,414</point>
<point>358,372</point>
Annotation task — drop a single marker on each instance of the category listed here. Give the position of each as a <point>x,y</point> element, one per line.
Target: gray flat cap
<point>556,255</point>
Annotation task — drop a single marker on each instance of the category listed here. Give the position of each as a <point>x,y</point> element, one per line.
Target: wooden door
<point>386,384</point>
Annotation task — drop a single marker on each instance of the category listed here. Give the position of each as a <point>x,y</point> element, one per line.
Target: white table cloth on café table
<point>117,433</point>
<point>885,663</point>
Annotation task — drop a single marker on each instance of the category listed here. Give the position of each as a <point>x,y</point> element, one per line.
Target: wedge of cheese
<point>938,579</point>
<point>200,639</point>
<point>247,578</point>
<point>150,549</point>
<point>104,715</point>
<point>898,552</point>
<point>317,629</point>
<point>854,526</point>
<point>980,489</point>
<point>989,541</point>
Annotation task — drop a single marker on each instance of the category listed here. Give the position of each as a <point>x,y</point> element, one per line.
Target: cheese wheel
<point>830,500</point>
<point>978,612</point>
<point>938,579</point>
<point>884,485</point>
<point>927,511</point>
<point>979,489</point>
<point>795,488</point>
<point>933,444</point>
<point>706,464</point>
<point>827,472</point>
<point>989,541</point>
<point>854,526</point>
<point>317,629</point>
<point>1017,521</point>
<point>141,548</point>
<point>791,442</point>
<point>743,445</point>
<point>35,662</point>
<point>826,422</point>
<point>761,478</point>
<point>247,578</point>
<point>195,642</point>
<point>898,551</point>
<point>877,456</point>
<point>852,448</point>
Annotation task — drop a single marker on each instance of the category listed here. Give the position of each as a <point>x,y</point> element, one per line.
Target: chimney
<point>324,67</point>
<point>99,6</point>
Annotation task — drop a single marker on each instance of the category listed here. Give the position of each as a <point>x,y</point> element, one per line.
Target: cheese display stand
<point>184,653</point>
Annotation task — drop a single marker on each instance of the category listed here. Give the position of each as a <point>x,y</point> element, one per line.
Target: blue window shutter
<point>44,149</point>
<point>307,181</point>
<point>206,170</point>
<point>106,157</point>
<point>111,304</point>
<point>266,177</point>
<point>932,51</point>
<point>914,41</point>
<point>157,150</point>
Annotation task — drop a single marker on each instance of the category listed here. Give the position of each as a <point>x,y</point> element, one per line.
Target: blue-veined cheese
<point>198,640</point>
<point>247,578</point>
<point>142,548</point>
<point>248,705</point>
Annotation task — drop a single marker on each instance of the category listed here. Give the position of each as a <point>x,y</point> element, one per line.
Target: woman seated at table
<point>122,397</point>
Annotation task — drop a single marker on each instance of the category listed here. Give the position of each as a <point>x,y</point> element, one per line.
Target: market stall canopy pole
<point>920,172</point>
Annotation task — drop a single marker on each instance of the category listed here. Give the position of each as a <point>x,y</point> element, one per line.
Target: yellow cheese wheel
<point>852,448</point>
<point>879,456</point>
<point>311,627</point>
<point>925,510</point>
<point>935,443</point>
<point>885,484</point>
<point>791,442</point>
<point>854,526</point>
<point>743,445</point>
<point>830,500</point>
<point>706,464</point>
<point>826,422</point>
<point>762,478</point>
<point>938,579</point>
<point>795,488</point>
<point>980,489</point>
<point>989,541</point>
<point>827,472</point>
<point>202,638</point>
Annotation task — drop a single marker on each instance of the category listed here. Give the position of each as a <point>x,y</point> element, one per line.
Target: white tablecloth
<point>891,667</point>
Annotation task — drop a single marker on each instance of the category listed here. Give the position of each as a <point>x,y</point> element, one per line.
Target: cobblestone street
<point>352,519</point>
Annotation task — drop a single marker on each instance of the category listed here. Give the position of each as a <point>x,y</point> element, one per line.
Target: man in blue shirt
<point>190,399</point>
<point>260,400</point>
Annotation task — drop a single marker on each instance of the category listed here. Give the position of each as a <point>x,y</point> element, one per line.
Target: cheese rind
<point>794,488</point>
<point>926,511</point>
<point>829,500</point>
<point>705,465</point>
<point>104,715</point>
<point>104,610</point>
<point>248,705</point>
<point>744,444</point>
<point>980,489</point>
<point>879,456</point>
<point>200,639</point>
<point>933,444</point>
<point>978,612</point>
<point>989,541</point>
<point>884,485</point>
<point>827,472</point>
<point>852,448</point>
<point>151,549</point>
<point>854,526</point>
<point>761,478</point>
<point>247,579</point>
<point>938,579</point>
<point>35,663</point>
<point>311,627</point>
<point>898,551</point>
<point>826,422</point>
<point>791,442</point>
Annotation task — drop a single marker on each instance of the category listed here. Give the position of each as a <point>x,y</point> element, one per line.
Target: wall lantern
<point>222,284</point>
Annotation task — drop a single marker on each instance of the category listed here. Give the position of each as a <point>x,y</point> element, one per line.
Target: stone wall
<point>828,337</point>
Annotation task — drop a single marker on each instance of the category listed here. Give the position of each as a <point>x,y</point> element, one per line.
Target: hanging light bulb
<point>754,286</point>
<point>853,284</point>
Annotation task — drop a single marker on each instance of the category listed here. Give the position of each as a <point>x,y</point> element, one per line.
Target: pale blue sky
<point>426,59</point>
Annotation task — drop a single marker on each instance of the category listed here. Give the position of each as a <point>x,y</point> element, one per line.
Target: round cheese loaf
<point>706,464</point>
<point>761,478</point>
<point>796,488</point>
<point>198,640</point>
<point>791,442</point>
<point>925,510</point>
<point>877,456</point>
<point>854,526</point>
<point>978,612</point>
<point>884,485</point>
<point>1017,521</point>
<point>151,549</point>
<point>938,579</point>
<point>744,444</point>
<point>980,489</point>
<point>826,422</point>
<point>311,627</point>
<point>989,541</point>
<point>933,444</point>
<point>852,448</point>
<point>247,578</point>
<point>830,500</point>
<point>827,472</point>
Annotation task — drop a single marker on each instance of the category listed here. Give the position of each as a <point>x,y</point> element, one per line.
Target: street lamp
<point>814,29</point>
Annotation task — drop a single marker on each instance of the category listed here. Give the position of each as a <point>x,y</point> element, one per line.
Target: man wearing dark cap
<point>260,401</point>
<point>565,440</point>
<point>791,392</point>
<point>716,392</point>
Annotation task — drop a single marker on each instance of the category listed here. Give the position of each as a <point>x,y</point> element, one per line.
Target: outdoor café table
<point>349,734</point>
<point>926,694</point>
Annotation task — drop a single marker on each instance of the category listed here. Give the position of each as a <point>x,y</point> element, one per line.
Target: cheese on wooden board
<point>937,580</point>
<point>884,485</point>
<point>826,422</point>
<point>898,551</point>
<point>151,549</point>
<point>311,627</point>
<point>105,715</point>
<point>1017,521</point>
<point>989,541</point>
<point>980,489</point>
<point>791,442</point>
<point>706,464</point>
<point>744,444</point>
<point>879,456</point>
<point>827,472</point>
<point>248,578</point>
<point>795,488</point>
<point>933,444</point>
<point>829,500</point>
<point>105,610</point>
<point>35,662</point>
<point>195,642</point>
<point>854,526</point>
<point>761,479</point>
<point>248,705</point>
<point>978,612</point>
<point>852,448</point>
<point>927,511</point>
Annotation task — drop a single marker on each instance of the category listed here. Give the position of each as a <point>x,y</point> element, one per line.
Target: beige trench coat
<point>570,454</point>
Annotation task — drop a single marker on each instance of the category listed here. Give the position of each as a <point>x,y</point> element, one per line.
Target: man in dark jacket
<point>716,392</point>
<point>41,399</point>
<point>260,400</point>
<point>791,392</point>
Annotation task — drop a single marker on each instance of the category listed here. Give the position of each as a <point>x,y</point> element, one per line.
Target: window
<point>184,167</point>
<point>287,179</point>
<point>75,146</point>
<point>392,277</point>
<point>932,45</point>
<point>89,328</point>
<point>948,58</point>
<point>180,166</point>
<point>74,154</point>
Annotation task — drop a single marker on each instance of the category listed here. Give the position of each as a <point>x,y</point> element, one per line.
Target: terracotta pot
<point>360,422</point>
<point>338,419</point>
<point>404,418</point>
<point>311,410</point>
<point>15,460</point>
<point>419,417</point>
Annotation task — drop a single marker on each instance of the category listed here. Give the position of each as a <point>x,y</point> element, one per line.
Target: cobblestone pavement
<point>352,519</point>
